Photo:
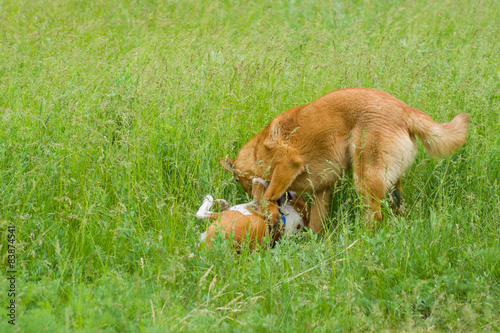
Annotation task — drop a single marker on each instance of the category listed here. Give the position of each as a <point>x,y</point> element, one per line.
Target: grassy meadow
<point>113,115</point>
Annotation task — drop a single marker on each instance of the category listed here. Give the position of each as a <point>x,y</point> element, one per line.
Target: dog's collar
<point>284,198</point>
<point>283,218</point>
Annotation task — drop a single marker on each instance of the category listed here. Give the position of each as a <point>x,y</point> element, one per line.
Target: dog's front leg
<point>284,173</point>
<point>319,210</point>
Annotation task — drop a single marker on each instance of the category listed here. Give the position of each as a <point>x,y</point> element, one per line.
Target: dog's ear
<point>273,137</point>
<point>259,187</point>
<point>279,134</point>
<point>228,164</point>
<point>265,209</point>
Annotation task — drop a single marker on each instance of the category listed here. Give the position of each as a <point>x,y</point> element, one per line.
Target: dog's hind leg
<point>379,161</point>
<point>370,185</point>
<point>204,211</point>
<point>369,174</point>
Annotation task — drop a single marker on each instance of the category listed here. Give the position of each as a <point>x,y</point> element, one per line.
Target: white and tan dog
<point>257,219</point>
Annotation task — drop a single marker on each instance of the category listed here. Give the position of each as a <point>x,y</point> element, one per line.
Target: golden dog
<point>308,147</point>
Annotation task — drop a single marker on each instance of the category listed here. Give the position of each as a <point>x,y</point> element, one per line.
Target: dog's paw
<point>208,198</point>
<point>222,204</point>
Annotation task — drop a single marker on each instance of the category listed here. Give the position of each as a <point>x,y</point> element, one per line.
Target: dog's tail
<point>438,139</point>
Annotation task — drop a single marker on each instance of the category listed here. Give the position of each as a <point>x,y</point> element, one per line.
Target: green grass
<point>113,115</point>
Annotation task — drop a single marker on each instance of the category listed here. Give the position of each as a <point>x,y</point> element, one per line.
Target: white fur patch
<point>204,211</point>
<point>243,208</point>
<point>293,219</point>
<point>400,158</point>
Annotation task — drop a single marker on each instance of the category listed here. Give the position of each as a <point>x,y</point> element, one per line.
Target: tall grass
<point>113,115</point>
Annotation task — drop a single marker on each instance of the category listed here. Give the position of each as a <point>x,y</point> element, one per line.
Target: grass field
<point>113,115</point>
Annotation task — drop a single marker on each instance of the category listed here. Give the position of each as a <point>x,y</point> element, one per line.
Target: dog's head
<point>268,151</point>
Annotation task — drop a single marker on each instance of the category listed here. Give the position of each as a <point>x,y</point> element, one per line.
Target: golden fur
<point>307,148</point>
